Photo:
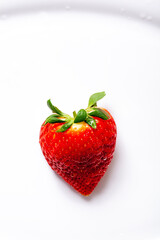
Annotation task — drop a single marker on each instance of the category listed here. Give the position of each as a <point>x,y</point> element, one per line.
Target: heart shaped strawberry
<point>81,147</point>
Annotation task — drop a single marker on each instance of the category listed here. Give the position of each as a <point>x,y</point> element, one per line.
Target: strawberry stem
<point>83,114</point>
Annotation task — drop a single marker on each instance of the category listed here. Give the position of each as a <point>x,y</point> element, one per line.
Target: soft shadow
<point>104,9</point>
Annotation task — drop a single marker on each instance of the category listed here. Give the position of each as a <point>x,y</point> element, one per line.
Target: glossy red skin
<point>81,157</point>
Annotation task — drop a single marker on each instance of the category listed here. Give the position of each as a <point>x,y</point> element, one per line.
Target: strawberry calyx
<point>82,115</point>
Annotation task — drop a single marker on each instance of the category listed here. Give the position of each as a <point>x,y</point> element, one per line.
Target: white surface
<point>64,56</point>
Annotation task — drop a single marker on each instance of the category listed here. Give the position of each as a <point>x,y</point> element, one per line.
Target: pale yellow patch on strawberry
<point>78,126</point>
<point>54,135</point>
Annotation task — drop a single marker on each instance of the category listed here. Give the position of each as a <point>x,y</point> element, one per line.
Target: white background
<point>67,56</point>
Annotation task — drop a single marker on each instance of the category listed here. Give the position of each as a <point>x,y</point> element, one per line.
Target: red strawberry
<point>79,148</point>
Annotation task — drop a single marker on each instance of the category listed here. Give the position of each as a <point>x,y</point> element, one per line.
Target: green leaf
<point>53,108</point>
<point>81,116</point>
<point>106,113</point>
<point>91,121</point>
<point>97,112</point>
<point>54,115</point>
<point>66,126</point>
<point>74,114</point>
<point>94,105</point>
<point>53,119</point>
<point>94,98</point>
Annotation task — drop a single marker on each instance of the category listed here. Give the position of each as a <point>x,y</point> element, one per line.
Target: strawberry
<point>81,147</point>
